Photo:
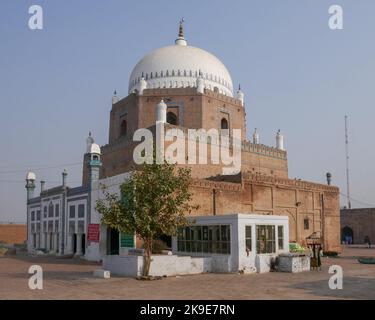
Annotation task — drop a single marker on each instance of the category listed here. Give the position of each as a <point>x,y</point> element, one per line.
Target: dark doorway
<point>124,128</point>
<point>172,118</point>
<point>113,246</point>
<point>167,240</point>
<point>51,244</point>
<point>74,243</point>
<point>224,124</point>
<point>58,243</point>
<point>347,235</point>
<point>83,242</point>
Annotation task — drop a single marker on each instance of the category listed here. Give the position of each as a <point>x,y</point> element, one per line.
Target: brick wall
<point>260,194</point>
<point>13,233</point>
<point>361,221</point>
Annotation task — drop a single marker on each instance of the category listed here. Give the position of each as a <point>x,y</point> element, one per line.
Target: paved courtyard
<point>72,279</point>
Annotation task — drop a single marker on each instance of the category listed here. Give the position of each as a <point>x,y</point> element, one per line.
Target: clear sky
<point>297,74</point>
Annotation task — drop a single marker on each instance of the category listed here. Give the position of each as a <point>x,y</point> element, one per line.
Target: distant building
<point>184,87</point>
<point>13,233</point>
<point>357,224</point>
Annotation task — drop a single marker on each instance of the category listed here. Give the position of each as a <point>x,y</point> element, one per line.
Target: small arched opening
<point>224,124</point>
<point>123,128</point>
<point>347,235</point>
<point>172,118</point>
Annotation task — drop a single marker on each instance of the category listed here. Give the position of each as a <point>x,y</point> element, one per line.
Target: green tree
<point>153,202</point>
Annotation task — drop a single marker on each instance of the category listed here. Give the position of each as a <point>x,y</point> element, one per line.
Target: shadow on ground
<point>51,260</point>
<point>59,275</point>
<point>353,288</point>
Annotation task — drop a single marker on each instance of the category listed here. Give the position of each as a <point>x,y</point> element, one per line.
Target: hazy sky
<point>297,74</point>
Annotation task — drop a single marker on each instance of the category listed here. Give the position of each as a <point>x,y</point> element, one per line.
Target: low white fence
<point>165,265</point>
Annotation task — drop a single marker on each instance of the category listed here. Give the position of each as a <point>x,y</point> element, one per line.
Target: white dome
<point>178,66</point>
<point>30,176</point>
<point>94,148</point>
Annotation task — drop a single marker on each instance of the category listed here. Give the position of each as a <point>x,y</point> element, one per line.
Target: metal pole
<point>347,161</point>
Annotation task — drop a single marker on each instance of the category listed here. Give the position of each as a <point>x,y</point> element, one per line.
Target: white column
<point>48,241</point>
<point>43,240</point>
<point>55,244</point>
<point>79,244</point>
<point>69,247</point>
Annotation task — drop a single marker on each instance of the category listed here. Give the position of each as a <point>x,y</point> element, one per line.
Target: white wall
<point>96,250</point>
<point>161,265</point>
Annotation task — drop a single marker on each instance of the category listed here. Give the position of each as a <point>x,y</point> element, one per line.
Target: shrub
<point>296,248</point>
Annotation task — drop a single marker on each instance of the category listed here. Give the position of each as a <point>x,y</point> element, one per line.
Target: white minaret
<point>114,98</point>
<point>279,141</point>
<point>30,184</point>
<point>30,187</point>
<point>89,142</point>
<point>161,112</point>
<point>64,175</point>
<point>256,136</point>
<point>240,95</point>
<point>142,86</point>
<point>200,83</point>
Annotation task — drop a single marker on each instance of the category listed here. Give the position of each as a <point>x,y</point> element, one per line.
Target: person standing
<point>367,241</point>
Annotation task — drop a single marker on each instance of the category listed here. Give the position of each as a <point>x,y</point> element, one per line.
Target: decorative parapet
<point>247,146</point>
<point>222,97</point>
<point>251,177</point>
<point>260,149</point>
<point>207,184</point>
<point>165,92</point>
<point>264,150</point>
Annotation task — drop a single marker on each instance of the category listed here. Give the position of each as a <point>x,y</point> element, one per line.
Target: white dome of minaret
<point>31,176</point>
<point>178,65</point>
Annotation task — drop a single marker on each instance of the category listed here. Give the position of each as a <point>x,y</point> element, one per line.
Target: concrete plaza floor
<point>73,279</point>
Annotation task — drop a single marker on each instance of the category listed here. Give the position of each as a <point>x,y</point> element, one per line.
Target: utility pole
<point>347,162</point>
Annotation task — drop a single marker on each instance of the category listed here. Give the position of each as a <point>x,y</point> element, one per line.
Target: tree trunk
<point>147,257</point>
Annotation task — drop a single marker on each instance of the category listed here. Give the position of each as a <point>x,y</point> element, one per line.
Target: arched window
<point>172,118</point>
<point>347,234</point>
<point>124,128</point>
<point>50,210</point>
<point>224,124</point>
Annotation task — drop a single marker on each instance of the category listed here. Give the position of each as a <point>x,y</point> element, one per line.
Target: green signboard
<point>127,240</point>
